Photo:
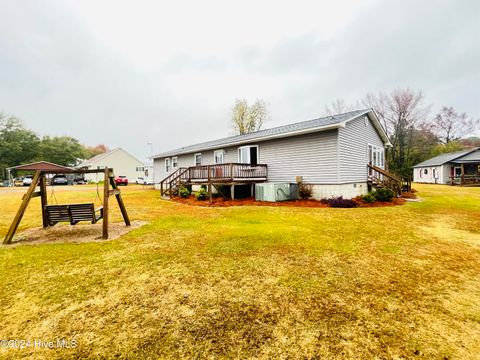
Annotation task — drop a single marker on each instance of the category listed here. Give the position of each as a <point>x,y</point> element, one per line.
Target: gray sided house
<point>331,153</point>
<point>455,168</point>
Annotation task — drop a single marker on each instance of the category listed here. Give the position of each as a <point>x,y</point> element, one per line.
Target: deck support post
<point>209,184</point>
<point>232,192</point>
<point>252,189</point>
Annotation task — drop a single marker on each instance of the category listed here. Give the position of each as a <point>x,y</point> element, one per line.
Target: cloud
<point>126,74</point>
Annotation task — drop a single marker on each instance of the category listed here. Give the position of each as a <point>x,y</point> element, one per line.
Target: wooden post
<point>462,179</point>
<point>44,200</point>
<point>106,181</point>
<point>209,184</point>
<point>252,190</point>
<point>232,192</point>
<point>120,202</point>
<point>21,211</point>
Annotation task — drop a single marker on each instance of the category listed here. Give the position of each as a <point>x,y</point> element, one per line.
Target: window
<point>248,154</point>
<point>140,168</point>
<point>425,171</point>
<point>167,165</point>
<point>174,162</point>
<point>219,156</point>
<point>198,159</point>
<point>376,155</point>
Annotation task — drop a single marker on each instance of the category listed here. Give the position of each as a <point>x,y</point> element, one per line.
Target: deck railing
<point>227,172</point>
<point>465,180</point>
<point>212,173</point>
<point>384,178</point>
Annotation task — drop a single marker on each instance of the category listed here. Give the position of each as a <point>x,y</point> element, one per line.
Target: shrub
<point>383,194</point>
<point>183,192</point>
<point>201,194</point>
<point>305,191</point>
<point>368,198</point>
<point>340,202</point>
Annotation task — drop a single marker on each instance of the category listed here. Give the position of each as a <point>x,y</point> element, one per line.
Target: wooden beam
<point>34,194</point>
<point>106,181</point>
<point>232,192</point>
<point>79,171</point>
<point>120,202</point>
<point>44,199</point>
<point>21,211</point>
<point>113,192</point>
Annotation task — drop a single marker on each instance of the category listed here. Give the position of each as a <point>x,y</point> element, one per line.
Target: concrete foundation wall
<point>348,191</point>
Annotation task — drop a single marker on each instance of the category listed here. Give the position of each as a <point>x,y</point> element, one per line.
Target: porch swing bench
<point>73,213</point>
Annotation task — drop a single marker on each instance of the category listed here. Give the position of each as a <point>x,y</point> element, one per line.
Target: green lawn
<point>253,282</point>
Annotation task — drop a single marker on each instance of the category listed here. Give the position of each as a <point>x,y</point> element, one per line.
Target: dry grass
<point>254,282</point>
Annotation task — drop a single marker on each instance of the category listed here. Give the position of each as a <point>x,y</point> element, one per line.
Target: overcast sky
<point>126,73</point>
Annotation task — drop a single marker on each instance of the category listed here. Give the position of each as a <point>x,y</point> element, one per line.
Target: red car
<point>121,180</point>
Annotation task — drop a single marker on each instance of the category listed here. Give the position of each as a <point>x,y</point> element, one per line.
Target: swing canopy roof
<point>42,166</point>
<point>51,168</point>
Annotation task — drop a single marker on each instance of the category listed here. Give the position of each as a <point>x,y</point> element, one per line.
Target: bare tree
<point>400,112</point>
<point>339,106</point>
<point>450,125</point>
<point>248,118</point>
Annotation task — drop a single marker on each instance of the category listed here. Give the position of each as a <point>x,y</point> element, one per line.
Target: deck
<point>219,174</point>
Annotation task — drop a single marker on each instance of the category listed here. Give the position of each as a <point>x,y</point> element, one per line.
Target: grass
<point>253,282</point>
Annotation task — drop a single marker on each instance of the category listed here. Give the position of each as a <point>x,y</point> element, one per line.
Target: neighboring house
<point>460,167</point>
<point>331,153</point>
<point>148,170</point>
<point>121,161</point>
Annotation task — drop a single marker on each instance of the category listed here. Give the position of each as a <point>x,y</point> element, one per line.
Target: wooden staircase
<point>172,183</point>
<point>380,178</point>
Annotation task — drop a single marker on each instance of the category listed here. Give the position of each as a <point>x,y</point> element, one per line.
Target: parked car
<point>121,180</point>
<point>79,181</point>
<point>144,181</point>
<point>27,180</point>
<point>59,180</point>
<point>17,182</point>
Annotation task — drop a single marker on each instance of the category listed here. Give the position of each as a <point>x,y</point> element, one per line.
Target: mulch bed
<point>221,202</point>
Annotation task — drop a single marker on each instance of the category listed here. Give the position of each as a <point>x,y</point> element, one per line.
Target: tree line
<point>19,145</point>
<point>415,134</point>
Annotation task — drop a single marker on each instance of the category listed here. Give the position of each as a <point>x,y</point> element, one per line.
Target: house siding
<point>332,157</point>
<point>443,173</point>
<point>312,156</point>
<point>353,142</point>
<point>122,163</point>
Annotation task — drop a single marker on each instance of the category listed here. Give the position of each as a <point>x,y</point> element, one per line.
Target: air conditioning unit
<point>275,191</point>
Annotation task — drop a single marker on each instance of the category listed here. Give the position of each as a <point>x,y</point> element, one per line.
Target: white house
<point>336,155</point>
<point>121,161</point>
<point>461,167</point>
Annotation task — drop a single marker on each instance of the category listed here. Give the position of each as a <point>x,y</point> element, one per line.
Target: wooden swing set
<point>71,213</point>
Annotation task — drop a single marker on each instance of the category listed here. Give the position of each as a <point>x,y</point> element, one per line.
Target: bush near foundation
<point>201,194</point>
<point>369,198</point>
<point>183,192</point>
<point>340,202</point>
<point>383,194</point>
<point>305,191</point>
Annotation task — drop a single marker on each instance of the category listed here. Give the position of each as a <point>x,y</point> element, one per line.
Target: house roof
<point>320,124</point>
<point>41,165</point>
<point>96,158</point>
<point>445,158</point>
<point>473,156</point>
<point>102,156</point>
